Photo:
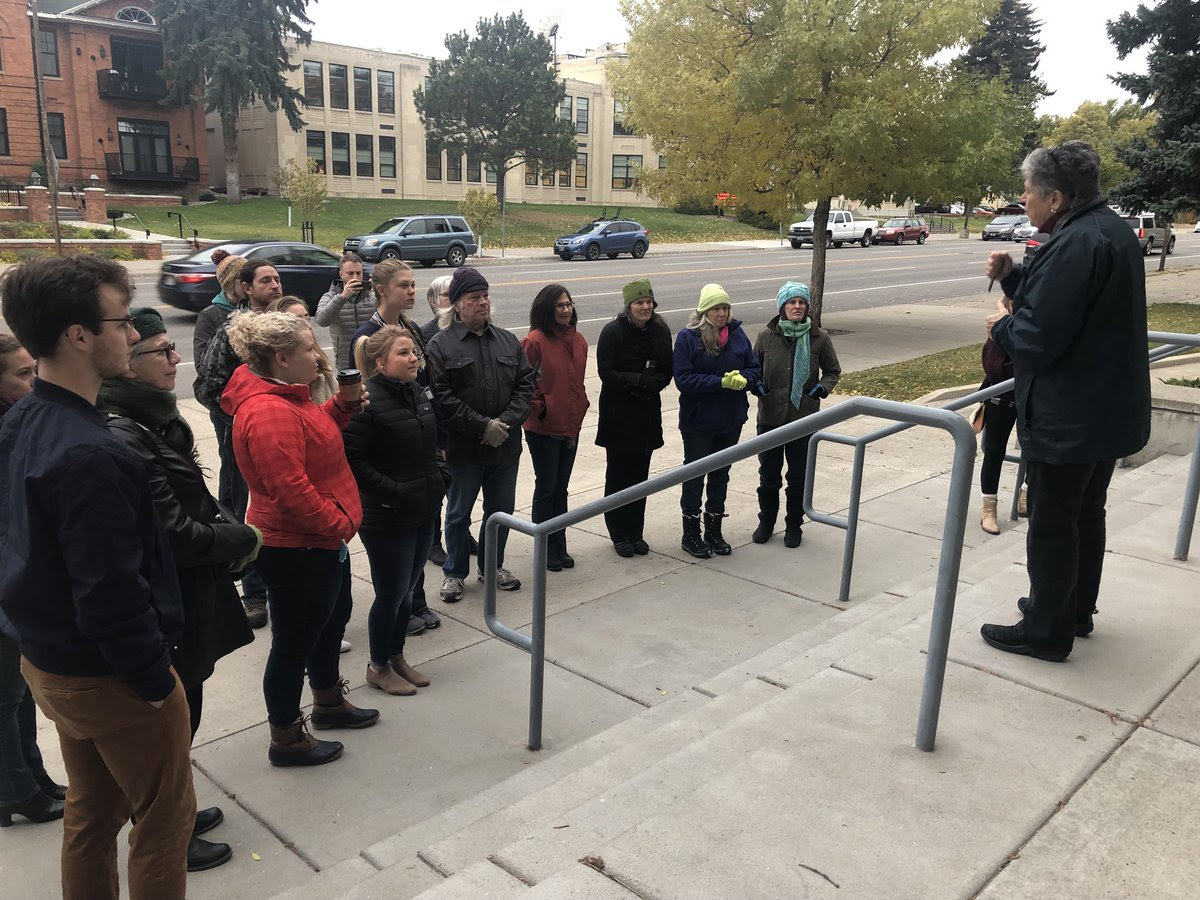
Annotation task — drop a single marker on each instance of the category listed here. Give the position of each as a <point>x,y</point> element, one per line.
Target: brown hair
<point>8,344</point>
<point>385,272</point>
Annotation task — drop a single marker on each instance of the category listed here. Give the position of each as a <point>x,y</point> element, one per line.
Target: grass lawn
<point>951,368</point>
<point>526,224</point>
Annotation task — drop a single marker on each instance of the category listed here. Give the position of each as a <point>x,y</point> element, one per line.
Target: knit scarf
<point>798,332</point>
<point>156,409</point>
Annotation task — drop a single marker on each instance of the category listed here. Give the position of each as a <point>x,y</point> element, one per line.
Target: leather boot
<point>294,746</point>
<point>38,808</point>
<point>408,673</point>
<point>692,542</point>
<point>987,519</point>
<point>202,854</point>
<point>712,534</point>
<point>1023,503</point>
<point>793,519</point>
<point>768,512</point>
<point>389,681</point>
<point>331,709</point>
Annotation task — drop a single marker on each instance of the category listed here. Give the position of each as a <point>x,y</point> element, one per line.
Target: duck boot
<point>712,534</point>
<point>331,709</point>
<point>692,542</point>
<point>294,746</point>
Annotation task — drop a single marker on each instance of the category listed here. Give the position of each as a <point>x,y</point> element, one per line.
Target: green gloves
<point>734,381</point>
<point>238,566</point>
<point>495,433</point>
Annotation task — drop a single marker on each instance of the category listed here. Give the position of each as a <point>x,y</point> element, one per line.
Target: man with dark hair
<point>88,581</point>
<point>346,307</point>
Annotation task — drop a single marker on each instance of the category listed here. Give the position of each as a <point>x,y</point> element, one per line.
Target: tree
<point>785,102</point>
<point>480,209</point>
<point>496,96</point>
<point>301,185</point>
<point>1165,164</point>
<point>229,54</point>
<point>1106,126</point>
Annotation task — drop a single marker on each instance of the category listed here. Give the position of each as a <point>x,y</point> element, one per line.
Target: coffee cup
<point>350,385</point>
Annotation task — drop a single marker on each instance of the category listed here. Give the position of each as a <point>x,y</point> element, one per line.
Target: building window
<point>662,162</point>
<point>341,152</point>
<point>314,83</point>
<point>433,162</point>
<point>581,171</point>
<point>564,111</point>
<point>474,169</point>
<point>138,65</point>
<point>564,177</point>
<point>618,119</point>
<point>454,164</point>
<point>387,157</point>
<point>4,150</point>
<point>315,142</point>
<point>581,115</point>
<point>385,86</point>
<point>134,14</point>
<point>362,89</point>
<point>56,124</point>
<point>531,175</point>
<point>625,169</point>
<point>489,173</point>
<point>548,178</point>
<point>339,92</point>
<point>364,155</point>
<point>145,146</point>
<point>48,48</point>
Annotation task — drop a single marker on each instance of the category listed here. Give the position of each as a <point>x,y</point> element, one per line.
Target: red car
<point>897,231</point>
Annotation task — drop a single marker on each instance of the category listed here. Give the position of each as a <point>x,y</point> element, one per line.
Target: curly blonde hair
<point>257,337</point>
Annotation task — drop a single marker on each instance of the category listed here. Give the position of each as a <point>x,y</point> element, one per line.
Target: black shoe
<point>437,553</point>
<point>763,532</point>
<point>256,612</point>
<point>568,561</point>
<point>625,549</point>
<point>793,536</point>
<point>416,625</point>
<point>713,536</point>
<point>692,542</point>
<point>554,565</point>
<point>640,547</point>
<point>202,854</point>
<point>50,788</point>
<point>38,808</point>
<point>207,820</point>
<point>1082,629</point>
<point>1011,639</point>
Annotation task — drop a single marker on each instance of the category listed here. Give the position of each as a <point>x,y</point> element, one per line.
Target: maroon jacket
<point>559,399</point>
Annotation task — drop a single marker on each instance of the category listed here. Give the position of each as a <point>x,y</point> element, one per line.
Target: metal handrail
<point>1173,343</point>
<point>195,241</point>
<point>948,562</point>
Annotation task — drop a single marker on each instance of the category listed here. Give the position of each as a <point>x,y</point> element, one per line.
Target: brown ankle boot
<point>408,673</point>
<point>294,746</point>
<point>987,518</point>
<point>331,709</point>
<point>389,681</point>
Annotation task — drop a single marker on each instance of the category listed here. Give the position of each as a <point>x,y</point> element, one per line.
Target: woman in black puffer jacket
<point>392,449</point>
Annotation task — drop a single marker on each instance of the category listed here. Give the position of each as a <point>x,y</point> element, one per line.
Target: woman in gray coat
<point>799,369</point>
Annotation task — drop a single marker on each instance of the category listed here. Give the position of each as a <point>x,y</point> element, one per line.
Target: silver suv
<point>1149,232</point>
<point>417,238</point>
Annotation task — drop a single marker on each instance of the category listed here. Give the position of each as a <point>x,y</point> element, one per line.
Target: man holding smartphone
<point>345,307</point>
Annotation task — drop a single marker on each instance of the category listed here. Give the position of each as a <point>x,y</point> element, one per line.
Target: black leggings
<point>998,421</point>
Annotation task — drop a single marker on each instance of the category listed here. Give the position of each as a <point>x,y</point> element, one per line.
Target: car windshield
<point>391,226</point>
<point>205,255</point>
<point>894,223</point>
<point>1006,220</point>
<point>587,229</point>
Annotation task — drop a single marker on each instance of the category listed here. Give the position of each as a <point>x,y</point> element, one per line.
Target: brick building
<point>99,74</point>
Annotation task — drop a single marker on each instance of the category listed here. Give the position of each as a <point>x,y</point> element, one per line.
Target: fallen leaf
<point>594,861</point>
<point>256,857</point>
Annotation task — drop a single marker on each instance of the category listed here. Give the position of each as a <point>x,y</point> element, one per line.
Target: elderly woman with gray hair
<point>1077,338</point>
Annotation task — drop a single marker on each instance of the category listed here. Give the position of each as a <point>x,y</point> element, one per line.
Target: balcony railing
<point>127,167</point>
<point>114,85</point>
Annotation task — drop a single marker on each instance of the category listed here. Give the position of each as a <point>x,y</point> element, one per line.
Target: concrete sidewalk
<point>725,728</point>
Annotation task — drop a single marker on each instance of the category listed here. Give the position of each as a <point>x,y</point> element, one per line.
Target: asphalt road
<point>856,278</point>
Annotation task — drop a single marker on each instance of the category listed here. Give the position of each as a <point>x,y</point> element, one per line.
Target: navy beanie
<point>465,280</point>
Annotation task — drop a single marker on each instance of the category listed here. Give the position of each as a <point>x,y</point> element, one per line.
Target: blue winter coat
<point>705,406</point>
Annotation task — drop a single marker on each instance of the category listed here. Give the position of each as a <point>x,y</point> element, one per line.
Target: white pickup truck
<point>842,228</point>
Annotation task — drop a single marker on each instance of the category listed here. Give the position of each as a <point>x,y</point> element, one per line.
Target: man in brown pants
<point>88,581</point>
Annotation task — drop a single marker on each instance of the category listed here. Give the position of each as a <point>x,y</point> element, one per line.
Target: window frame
<point>433,153</point>
<point>581,160</point>
<point>5,148</point>
<point>336,95</point>
<point>629,180</point>
<point>619,127</point>
<point>319,74</point>
<point>323,160</point>
<point>49,53</point>
<point>335,163</point>
<point>384,140</point>
<point>370,99</point>
<point>474,170</point>
<point>582,113</point>
<point>387,76</point>
<point>61,119</point>
<point>358,155</point>
<point>454,165</point>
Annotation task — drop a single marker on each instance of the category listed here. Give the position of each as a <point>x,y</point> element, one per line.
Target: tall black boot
<point>793,519</point>
<point>768,512</point>
<point>692,542</point>
<point>712,534</point>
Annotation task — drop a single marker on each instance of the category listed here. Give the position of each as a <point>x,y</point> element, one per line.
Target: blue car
<point>608,236</point>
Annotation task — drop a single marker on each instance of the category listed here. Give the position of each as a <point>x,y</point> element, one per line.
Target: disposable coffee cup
<point>350,384</point>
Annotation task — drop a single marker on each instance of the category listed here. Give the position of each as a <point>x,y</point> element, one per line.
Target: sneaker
<point>431,618</point>
<point>415,625</point>
<point>452,589</point>
<point>505,580</point>
<point>256,612</point>
<point>345,648</point>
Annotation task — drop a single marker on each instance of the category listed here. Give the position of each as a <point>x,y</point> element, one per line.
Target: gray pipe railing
<point>948,562</point>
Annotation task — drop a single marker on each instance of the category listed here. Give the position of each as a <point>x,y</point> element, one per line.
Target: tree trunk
<point>816,279</point>
<point>233,175</point>
<point>501,177</point>
<point>1162,251</point>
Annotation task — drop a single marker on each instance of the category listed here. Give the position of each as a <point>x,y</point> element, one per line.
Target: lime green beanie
<point>712,295</point>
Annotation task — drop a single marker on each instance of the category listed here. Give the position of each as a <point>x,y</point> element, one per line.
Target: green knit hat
<point>147,321</point>
<point>712,295</point>
<point>637,290</point>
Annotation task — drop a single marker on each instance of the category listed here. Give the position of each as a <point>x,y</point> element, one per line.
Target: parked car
<point>1149,232</point>
<point>1011,208</point>
<point>418,238</point>
<point>924,209</point>
<point>983,210</point>
<point>1033,244</point>
<point>608,236</point>
<point>957,209</point>
<point>841,228</point>
<point>306,270</point>
<point>897,231</point>
<point>1196,230</point>
<point>1001,228</point>
<point>1024,232</point>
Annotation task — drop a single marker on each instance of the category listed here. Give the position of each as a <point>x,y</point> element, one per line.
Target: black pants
<point>310,607</point>
<point>770,480</point>
<point>697,445</point>
<point>195,701</point>
<point>234,495</point>
<point>1064,548</point>
<point>998,421</point>
<point>625,468</point>
<point>553,459</point>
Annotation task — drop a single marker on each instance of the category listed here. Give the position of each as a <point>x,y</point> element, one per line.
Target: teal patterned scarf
<point>798,332</point>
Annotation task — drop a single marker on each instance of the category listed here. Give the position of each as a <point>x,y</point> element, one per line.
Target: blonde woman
<point>395,290</point>
<point>325,384</point>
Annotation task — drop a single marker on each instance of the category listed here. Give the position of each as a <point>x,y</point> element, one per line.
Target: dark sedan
<point>306,270</point>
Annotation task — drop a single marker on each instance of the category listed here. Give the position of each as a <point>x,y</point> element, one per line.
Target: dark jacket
<point>343,317</point>
<point>635,366</point>
<point>86,573</point>
<point>208,321</point>
<point>372,325</point>
<point>777,354</point>
<point>705,406</point>
<point>203,544</point>
<point>392,448</point>
<point>559,400</point>
<point>475,378</point>
<point>1077,339</point>
<point>215,368</point>
<point>996,368</point>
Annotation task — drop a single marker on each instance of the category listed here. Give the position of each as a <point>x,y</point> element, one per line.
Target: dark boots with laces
<point>692,541</point>
<point>712,534</point>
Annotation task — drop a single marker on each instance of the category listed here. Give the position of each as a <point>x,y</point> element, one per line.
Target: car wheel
<point>796,245</point>
<point>389,253</point>
<point>456,257</point>
<point>1149,246</point>
<point>899,239</point>
<point>639,249</point>
<point>593,252</point>
<point>565,257</point>
<point>428,262</point>
<point>1171,247</point>
<point>837,245</point>
<point>921,238</point>
<point>866,240</point>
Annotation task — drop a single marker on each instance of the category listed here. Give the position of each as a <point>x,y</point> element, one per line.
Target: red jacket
<point>290,451</point>
<point>559,399</point>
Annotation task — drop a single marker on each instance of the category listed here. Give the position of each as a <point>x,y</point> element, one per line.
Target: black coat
<point>391,445</point>
<point>1077,340</point>
<point>203,544</point>
<point>635,366</point>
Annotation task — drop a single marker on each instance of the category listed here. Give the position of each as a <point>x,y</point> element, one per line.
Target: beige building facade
<point>362,130</point>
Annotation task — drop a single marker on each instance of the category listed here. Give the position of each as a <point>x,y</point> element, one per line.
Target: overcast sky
<point>1076,63</point>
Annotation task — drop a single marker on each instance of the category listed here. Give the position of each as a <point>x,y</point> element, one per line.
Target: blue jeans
<point>553,459</point>
<point>499,486</point>
<point>20,760</point>
<point>397,560</point>
<point>696,445</point>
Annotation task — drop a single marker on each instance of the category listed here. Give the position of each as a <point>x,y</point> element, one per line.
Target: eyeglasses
<point>165,351</point>
<point>126,322</point>
<point>567,305</point>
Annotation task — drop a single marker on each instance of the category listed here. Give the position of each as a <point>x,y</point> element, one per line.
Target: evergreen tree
<point>229,54</point>
<point>1009,48</point>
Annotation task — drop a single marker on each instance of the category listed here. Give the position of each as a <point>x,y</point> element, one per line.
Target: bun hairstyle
<point>257,337</point>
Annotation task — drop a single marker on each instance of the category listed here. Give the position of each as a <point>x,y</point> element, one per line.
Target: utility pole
<point>48,157</point>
